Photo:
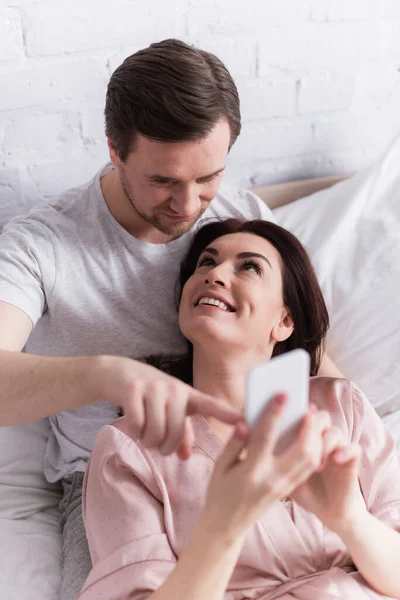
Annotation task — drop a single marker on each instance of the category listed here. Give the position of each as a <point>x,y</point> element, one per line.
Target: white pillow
<point>352,232</point>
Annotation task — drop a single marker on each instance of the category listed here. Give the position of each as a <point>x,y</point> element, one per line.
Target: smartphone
<point>289,373</point>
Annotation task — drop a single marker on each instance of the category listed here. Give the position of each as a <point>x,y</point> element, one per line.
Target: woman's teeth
<point>214,302</point>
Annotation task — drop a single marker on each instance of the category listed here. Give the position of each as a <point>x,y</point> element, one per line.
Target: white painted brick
<point>323,45</point>
<point>72,26</point>
<point>395,43</point>
<point>51,103</point>
<point>53,178</point>
<point>239,54</point>
<point>376,84</point>
<point>262,98</point>
<point>74,82</point>
<point>10,195</point>
<point>117,58</point>
<point>312,165</point>
<point>352,160</point>
<point>280,138</point>
<point>44,137</point>
<point>325,93</point>
<point>11,40</point>
<point>17,194</point>
<point>21,3</point>
<point>234,18</point>
<point>328,10</point>
<point>93,128</point>
<point>344,132</point>
<point>5,126</point>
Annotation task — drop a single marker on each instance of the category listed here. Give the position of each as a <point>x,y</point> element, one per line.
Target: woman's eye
<point>251,265</point>
<point>206,260</point>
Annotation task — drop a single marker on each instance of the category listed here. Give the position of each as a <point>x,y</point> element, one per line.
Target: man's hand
<point>156,405</point>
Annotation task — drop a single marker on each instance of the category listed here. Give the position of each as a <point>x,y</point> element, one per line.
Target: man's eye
<point>209,179</point>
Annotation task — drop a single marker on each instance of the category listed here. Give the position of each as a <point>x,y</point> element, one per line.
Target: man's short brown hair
<point>169,92</point>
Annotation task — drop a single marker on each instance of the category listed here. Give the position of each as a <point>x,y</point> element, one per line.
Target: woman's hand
<point>333,492</point>
<point>248,477</point>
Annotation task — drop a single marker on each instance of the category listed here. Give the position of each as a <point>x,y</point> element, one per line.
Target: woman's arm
<point>204,567</point>
<point>128,518</point>
<point>356,492</point>
<point>372,538</point>
<point>123,511</point>
<point>375,550</point>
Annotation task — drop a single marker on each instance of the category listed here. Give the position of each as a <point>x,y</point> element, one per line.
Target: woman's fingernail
<point>313,407</point>
<point>280,399</point>
<point>241,430</point>
<point>340,455</point>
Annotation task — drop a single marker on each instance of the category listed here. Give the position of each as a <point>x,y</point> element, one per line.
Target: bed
<point>351,228</point>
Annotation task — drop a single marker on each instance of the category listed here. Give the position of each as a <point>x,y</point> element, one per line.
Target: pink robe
<point>141,507</point>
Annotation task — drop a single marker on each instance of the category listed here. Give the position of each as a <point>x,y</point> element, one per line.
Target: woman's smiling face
<point>234,297</point>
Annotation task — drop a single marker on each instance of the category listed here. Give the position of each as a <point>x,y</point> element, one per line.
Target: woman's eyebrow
<point>253,254</point>
<point>215,252</point>
<point>211,250</point>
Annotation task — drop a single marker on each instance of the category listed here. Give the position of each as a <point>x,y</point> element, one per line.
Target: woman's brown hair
<point>301,292</point>
<point>169,92</point>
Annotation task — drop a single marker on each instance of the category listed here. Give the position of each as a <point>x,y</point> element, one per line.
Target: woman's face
<point>234,297</point>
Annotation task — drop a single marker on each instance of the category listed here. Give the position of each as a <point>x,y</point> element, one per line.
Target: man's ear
<point>115,159</point>
<point>283,327</point>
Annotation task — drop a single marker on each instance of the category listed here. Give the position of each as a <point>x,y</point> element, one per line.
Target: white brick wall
<point>319,82</point>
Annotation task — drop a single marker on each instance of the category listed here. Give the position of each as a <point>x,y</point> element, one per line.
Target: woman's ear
<point>283,327</point>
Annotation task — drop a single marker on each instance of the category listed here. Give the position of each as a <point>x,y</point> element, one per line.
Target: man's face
<point>170,185</point>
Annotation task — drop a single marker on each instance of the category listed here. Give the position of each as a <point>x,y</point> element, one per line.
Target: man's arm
<point>34,386</point>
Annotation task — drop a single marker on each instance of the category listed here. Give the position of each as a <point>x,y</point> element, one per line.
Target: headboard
<point>279,194</point>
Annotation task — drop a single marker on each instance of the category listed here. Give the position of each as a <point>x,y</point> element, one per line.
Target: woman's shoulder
<point>328,385</point>
<point>340,397</point>
<point>335,387</point>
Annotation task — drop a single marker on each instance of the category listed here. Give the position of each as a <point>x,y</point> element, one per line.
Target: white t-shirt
<point>92,288</point>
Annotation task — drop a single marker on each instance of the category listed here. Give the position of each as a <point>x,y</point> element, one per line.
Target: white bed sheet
<point>30,563</point>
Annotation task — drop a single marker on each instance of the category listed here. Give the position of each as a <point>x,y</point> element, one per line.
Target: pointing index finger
<point>208,406</point>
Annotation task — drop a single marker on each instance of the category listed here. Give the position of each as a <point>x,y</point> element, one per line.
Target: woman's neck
<point>223,376</point>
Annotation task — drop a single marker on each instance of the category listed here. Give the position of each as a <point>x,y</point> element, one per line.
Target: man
<point>88,279</point>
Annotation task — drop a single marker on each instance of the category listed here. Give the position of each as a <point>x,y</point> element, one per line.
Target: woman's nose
<point>217,277</point>
<point>216,281</point>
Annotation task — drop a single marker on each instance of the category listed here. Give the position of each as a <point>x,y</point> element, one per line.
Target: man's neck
<point>125,213</point>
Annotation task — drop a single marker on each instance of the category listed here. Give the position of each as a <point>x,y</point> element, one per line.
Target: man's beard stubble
<point>174,230</point>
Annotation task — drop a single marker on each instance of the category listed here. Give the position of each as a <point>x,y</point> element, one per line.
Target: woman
<point>235,521</point>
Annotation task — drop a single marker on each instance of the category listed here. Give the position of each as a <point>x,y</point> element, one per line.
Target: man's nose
<point>186,201</point>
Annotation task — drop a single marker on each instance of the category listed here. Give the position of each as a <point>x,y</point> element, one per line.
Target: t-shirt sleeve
<point>380,466</point>
<point>27,266</point>
<point>240,203</point>
<point>258,207</point>
<point>124,520</point>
